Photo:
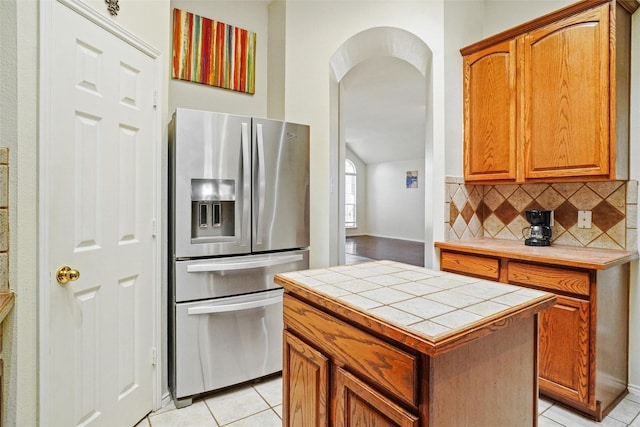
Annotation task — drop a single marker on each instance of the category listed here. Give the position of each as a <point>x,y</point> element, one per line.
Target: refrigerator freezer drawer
<point>227,341</point>
<point>227,276</point>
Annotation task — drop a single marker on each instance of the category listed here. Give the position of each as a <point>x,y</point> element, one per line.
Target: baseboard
<point>634,389</point>
<point>167,400</point>
<point>357,235</point>
<point>394,238</point>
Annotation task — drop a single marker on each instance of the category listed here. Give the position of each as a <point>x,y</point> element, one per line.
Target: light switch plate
<point>584,219</point>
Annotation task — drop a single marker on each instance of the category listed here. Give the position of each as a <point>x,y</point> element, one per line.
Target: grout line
<point>215,421</point>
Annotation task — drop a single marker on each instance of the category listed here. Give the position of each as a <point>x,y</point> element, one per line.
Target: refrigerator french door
<point>241,184</point>
<point>239,214</point>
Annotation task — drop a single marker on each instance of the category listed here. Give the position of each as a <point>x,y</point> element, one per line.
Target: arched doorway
<point>375,46</point>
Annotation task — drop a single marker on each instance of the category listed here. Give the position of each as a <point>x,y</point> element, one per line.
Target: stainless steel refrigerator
<point>239,214</point>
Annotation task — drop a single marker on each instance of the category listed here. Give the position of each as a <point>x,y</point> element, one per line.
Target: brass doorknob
<point>67,274</point>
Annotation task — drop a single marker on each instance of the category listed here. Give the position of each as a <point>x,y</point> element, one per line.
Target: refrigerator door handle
<point>224,308</point>
<point>261,185</point>
<point>227,266</point>
<point>246,178</point>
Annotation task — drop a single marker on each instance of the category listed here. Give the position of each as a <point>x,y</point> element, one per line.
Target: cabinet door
<point>564,361</point>
<point>305,378</point>
<point>490,113</point>
<point>357,404</point>
<point>567,97</point>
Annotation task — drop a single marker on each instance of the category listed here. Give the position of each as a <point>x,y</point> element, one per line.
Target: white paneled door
<point>102,198</point>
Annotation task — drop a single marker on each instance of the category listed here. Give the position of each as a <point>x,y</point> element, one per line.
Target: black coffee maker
<point>539,233</point>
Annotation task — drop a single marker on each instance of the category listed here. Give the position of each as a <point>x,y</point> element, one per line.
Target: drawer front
<point>470,265</point>
<point>552,278</point>
<point>252,337</point>
<point>347,346</point>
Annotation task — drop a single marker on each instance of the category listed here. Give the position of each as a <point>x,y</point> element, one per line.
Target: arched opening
<point>402,61</point>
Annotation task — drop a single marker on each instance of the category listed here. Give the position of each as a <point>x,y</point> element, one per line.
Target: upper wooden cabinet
<point>490,112</point>
<point>549,100</point>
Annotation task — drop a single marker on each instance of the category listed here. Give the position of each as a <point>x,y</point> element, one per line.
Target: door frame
<point>45,105</point>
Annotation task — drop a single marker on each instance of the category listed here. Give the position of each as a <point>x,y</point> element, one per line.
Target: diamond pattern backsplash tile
<point>499,211</point>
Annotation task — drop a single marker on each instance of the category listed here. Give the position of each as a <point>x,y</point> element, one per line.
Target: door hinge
<point>154,228</point>
<point>155,98</point>
<point>154,357</point>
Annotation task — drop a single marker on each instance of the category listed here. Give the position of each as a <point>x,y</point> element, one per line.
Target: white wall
<point>361,195</point>
<point>634,292</point>
<point>19,114</point>
<point>10,132</point>
<point>148,21</point>
<point>249,15</point>
<point>392,209</point>
<point>276,60</point>
<point>500,15</point>
<point>463,26</point>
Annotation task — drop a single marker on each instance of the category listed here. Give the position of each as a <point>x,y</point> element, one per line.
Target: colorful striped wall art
<point>213,53</point>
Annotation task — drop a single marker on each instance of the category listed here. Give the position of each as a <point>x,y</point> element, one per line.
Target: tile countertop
<point>569,256</point>
<point>431,311</point>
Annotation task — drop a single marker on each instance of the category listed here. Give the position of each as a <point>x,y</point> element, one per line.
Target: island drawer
<point>470,265</point>
<point>551,278</point>
<point>357,351</point>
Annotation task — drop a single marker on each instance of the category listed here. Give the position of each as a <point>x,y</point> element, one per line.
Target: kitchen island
<point>389,344</point>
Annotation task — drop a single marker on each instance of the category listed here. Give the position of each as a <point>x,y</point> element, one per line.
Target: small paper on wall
<point>412,179</point>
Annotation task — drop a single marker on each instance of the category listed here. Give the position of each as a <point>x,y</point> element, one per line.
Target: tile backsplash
<point>499,211</point>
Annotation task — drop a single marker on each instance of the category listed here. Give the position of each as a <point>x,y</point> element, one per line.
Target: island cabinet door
<point>305,374</point>
<point>357,404</point>
<point>564,351</point>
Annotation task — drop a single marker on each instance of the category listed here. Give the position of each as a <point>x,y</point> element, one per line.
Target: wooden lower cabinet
<point>307,389</point>
<point>564,350</point>
<point>358,404</point>
<point>320,390</point>
<point>306,392</point>
<point>583,339</point>
<point>341,374</point>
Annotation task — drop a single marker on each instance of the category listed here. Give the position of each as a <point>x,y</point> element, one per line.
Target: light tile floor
<point>256,405</point>
<point>260,405</point>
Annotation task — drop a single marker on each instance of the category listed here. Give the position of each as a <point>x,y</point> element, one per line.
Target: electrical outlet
<point>584,219</point>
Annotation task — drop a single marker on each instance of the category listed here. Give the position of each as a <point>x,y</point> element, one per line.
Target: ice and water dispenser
<point>212,209</point>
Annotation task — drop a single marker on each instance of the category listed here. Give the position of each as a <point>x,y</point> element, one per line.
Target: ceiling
<point>383,110</point>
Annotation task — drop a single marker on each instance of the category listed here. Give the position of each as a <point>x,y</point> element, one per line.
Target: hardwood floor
<point>383,248</point>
